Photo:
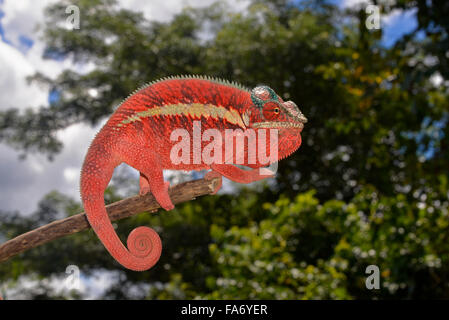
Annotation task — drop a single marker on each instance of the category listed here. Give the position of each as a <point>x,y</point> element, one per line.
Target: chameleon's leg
<point>144,185</point>
<point>147,163</point>
<point>211,175</point>
<point>239,175</point>
<point>159,187</point>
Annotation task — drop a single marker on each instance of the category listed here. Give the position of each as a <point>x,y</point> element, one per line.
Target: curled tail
<point>144,244</point>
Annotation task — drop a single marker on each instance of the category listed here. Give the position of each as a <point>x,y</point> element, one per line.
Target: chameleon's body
<point>139,131</point>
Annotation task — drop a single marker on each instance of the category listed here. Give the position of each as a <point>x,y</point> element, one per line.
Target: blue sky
<point>402,24</point>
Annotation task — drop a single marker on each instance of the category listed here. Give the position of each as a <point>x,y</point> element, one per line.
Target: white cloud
<point>353,3</point>
<point>71,174</point>
<point>21,18</point>
<point>396,15</point>
<point>25,182</point>
<point>13,85</point>
<point>392,17</point>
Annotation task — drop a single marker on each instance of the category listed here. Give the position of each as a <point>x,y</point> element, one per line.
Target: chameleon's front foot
<point>242,176</point>
<point>211,175</point>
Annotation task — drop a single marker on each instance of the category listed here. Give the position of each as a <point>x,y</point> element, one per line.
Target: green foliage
<point>368,185</point>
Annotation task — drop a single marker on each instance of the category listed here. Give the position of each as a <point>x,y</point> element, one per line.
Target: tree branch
<point>118,210</point>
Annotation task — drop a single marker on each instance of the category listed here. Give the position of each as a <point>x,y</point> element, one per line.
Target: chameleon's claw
<point>168,207</point>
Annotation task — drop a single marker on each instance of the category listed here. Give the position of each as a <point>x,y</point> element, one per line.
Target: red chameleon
<point>140,134</point>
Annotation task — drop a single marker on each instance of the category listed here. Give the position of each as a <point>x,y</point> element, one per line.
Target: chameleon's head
<point>269,111</point>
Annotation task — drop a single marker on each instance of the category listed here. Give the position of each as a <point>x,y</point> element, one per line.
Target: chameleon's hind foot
<point>144,185</point>
<point>163,198</point>
<point>161,194</point>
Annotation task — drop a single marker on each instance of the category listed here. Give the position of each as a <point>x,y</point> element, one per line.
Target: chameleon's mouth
<point>272,125</point>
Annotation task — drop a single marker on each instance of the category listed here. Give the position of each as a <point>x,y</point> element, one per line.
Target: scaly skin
<point>138,133</point>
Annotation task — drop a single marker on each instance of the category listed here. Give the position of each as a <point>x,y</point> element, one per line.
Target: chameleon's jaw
<point>279,124</point>
<point>295,120</point>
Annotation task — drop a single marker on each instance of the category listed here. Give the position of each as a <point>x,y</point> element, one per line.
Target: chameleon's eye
<point>271,110</point>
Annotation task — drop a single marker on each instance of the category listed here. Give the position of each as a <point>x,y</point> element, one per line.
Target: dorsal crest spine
<point>188,77</point>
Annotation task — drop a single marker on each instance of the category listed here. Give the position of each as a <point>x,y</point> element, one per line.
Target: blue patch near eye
<point>257,102</point>
<point>273,94</point>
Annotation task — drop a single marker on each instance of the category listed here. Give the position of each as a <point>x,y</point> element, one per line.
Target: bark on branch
<point>118,210</point>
